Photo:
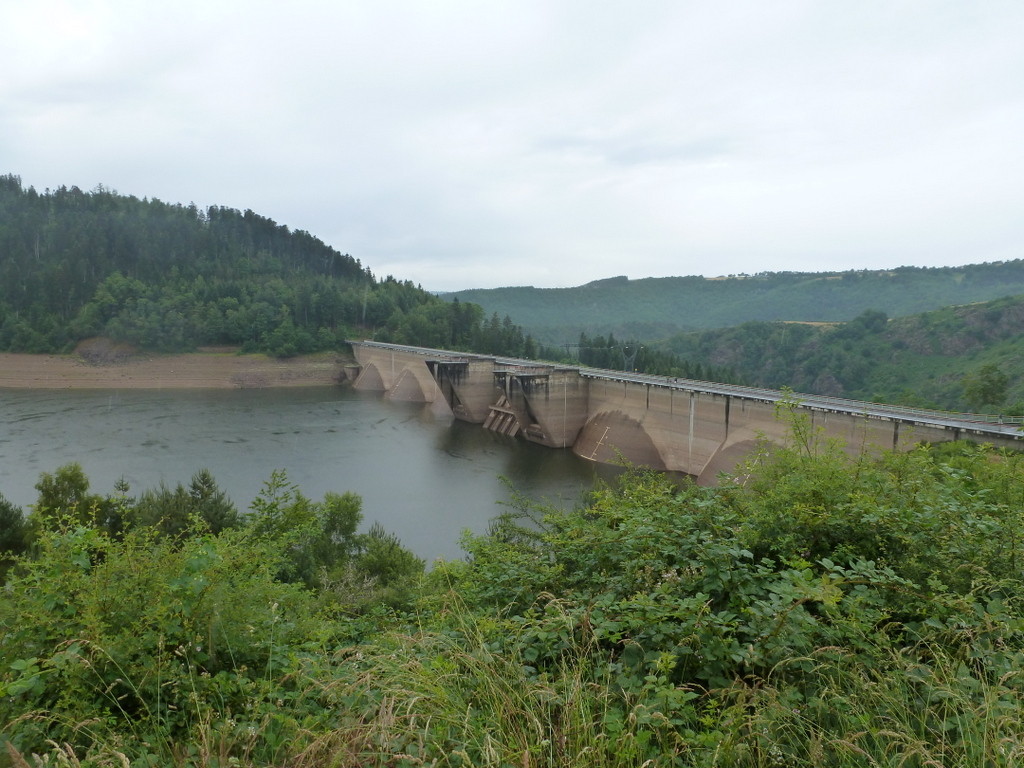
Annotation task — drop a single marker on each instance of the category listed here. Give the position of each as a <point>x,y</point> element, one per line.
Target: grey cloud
<point>519,142</point>
<point>634,151</point>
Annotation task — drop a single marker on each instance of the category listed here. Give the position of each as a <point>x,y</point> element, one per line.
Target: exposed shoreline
<point>196,370</point>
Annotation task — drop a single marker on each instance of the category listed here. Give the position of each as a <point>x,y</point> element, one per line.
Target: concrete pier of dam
<point>699,428</point>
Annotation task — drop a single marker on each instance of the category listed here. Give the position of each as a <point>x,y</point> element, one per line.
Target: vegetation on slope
<point>823,611</point>
<point>937,359</point>
<point>655,308</point>
<point>75,265</point>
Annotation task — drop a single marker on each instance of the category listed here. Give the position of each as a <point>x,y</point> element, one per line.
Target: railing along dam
<point>697,427</point>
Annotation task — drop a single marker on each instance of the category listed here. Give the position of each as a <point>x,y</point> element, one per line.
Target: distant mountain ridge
<point>656,308</point>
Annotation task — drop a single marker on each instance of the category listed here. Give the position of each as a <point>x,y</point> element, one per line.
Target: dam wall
<point>699,428</point>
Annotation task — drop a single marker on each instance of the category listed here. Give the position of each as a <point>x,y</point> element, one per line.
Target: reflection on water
<point>422,477</point>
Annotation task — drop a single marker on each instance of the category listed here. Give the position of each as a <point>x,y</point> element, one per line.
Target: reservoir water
<point>422,477</point>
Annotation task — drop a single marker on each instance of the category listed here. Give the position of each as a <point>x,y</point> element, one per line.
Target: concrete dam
<point>696,427</point>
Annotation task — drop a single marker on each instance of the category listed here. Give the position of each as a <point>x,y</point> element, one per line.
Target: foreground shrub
<point>817,611</point>
<point>139,641</point>
<point>887,587</point>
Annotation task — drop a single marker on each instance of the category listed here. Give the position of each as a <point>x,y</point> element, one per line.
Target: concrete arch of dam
<point>612,436</point>
<point>698,428</point>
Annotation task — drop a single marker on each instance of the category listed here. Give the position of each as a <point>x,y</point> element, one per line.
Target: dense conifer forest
<point>171,277</point>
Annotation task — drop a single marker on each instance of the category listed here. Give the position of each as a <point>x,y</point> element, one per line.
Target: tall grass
<point>918,707</point>
<point>447,694</point>
<point>448,697</point>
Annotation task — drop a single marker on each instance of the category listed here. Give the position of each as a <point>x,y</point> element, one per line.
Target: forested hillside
<point>655,308</point>
<point>968,357</point>
<point>171,277</point>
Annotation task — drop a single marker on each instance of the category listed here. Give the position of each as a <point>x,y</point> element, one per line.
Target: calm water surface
<point>424,478</point>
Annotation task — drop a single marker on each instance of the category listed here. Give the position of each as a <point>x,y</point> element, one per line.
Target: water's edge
<point>422,477</point>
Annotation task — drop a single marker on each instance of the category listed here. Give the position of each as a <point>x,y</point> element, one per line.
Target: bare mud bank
<point>198,370</point>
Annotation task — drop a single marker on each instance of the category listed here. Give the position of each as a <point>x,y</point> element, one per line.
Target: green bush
<point>886,580</point>
<point>140,641</point>
<point>817,610</point>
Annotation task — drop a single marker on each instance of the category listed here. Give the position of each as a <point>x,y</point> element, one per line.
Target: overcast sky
<point>543,142</point>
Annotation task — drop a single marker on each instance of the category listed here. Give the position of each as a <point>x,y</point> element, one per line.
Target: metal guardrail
<point>995,424</point>
<point>450,356</point>
<point>951,418</point>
